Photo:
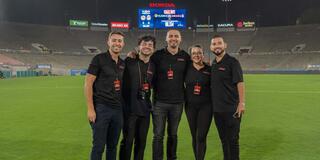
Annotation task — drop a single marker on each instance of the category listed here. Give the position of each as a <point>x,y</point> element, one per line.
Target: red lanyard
<point>145,85</point>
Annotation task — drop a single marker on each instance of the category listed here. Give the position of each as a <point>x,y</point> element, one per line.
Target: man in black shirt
<point>103,85</point>
<point>227,90</point>
<point>170,68</point>
<point>137,78</point>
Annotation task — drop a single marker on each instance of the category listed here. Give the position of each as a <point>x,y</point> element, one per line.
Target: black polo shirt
<point>224,78</point>
<point>132,83</point>
<point>106,71</point>
<point>198,77</point>
<point>169,90</point>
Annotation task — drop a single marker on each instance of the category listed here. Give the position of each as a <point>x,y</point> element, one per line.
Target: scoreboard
<point>161,18</point>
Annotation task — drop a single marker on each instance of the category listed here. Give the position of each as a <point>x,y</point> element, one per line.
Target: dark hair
<point>217,36</point>
<point>195,46</point>
<point>147,38</point>
<point>116,32</point>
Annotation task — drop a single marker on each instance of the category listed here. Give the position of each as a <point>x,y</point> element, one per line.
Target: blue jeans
<point>106,131</point>
<point>163,113</point>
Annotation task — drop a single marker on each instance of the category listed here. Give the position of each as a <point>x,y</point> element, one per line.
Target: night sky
<point>56,12</point>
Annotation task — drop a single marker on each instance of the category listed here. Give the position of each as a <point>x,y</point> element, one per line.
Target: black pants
<point>163,113</point>
<point>199,119</point>
<point>229,129</point>
<point>135,130</point>
<point>106,131</point>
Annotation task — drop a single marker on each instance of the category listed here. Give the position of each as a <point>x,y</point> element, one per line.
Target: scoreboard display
<point>162,18</point>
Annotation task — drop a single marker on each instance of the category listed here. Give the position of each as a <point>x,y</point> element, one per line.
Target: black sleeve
<point>209,71</point>
<point>152,73</point>
<point>126,83</point>
<point>127,60</point>
<point>237,75</point>
<point>94,67</point>
<point>188,58</point>
<point>155,58</point>
<point>126,75</point>
<point>188,63</point>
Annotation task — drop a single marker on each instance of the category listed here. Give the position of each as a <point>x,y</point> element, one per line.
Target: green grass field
<point>44,118</point>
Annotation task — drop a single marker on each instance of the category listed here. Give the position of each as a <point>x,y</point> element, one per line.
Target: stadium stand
<point>288,47</point>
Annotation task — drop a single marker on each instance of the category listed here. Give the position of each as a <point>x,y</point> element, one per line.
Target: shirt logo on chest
<point>221,69</point>
<point>121,66</point>
<point>180,59</point>
<point>205,72</point>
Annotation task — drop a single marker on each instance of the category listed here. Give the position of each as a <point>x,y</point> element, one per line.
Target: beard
<point>218,52</point>
<point>115,50</point>
<point>173,44</point>
<point>145,54</point>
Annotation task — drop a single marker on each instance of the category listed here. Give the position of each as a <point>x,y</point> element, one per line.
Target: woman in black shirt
<point>198,101</point>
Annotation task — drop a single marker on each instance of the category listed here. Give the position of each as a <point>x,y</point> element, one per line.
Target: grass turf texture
<point>44,118</point>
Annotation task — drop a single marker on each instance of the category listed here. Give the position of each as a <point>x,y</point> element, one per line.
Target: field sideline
<point>44,118</point>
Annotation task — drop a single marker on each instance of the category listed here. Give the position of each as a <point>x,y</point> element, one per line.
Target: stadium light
<point>226,8</point>
<point>97,10</point>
